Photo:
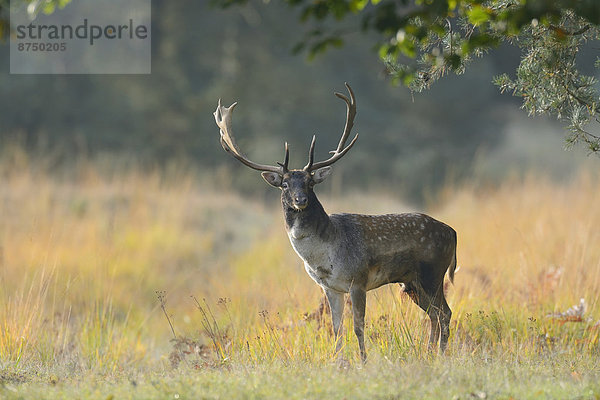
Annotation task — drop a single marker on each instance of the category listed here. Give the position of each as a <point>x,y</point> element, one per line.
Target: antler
<point>223,120</point>
<point>340,150</point>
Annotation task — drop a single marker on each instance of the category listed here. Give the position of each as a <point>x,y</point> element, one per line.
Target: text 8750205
<point>29,46</point>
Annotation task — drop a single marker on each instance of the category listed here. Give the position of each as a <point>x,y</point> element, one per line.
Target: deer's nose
<point>301,201</point>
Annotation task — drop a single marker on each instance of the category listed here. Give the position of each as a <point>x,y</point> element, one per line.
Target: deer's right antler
<point>341,148</point>
<point>223,120</point>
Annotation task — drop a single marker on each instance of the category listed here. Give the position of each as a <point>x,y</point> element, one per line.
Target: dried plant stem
<point>162,298</point>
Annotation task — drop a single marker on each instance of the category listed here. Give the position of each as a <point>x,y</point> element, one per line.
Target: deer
<point>355,253</point>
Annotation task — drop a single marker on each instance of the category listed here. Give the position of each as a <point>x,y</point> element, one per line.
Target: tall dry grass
<point>83,254</point>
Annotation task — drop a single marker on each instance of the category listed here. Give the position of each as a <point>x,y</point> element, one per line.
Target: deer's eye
<point>284,185</point>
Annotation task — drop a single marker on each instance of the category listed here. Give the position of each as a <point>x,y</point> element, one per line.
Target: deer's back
<point>380,232</point>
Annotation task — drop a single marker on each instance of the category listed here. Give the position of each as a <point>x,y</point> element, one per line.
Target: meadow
<point>162,284</point>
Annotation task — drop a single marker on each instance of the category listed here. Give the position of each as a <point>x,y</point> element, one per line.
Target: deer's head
<point>296,184</point>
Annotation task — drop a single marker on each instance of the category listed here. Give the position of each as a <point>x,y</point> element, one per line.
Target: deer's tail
<point>452,267</point>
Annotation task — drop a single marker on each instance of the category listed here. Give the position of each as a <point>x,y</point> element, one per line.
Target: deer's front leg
<point>359,303</point>
<point>336,304</point>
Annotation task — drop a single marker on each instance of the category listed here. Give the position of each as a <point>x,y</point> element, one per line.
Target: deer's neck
<point>312,222</point>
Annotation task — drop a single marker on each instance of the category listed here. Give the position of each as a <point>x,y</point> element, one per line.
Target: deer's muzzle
<point>300,202</point>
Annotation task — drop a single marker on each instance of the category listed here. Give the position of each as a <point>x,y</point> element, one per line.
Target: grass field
<point>148,284</point>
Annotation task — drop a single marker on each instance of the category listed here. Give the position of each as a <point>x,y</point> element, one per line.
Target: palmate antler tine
<point>341,148</point>
<point>223,120</point>
<point>223,117</point>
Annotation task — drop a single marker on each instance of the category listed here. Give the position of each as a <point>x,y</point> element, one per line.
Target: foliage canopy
<point>420,41</point>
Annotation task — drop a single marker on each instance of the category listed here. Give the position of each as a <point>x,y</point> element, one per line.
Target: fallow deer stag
<point>354,253</point>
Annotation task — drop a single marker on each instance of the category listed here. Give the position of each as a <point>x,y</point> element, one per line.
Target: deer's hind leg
<point>445,316</point>
<point>417,294</point>
<point>430,298</point>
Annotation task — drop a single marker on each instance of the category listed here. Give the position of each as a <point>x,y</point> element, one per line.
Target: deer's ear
<point>272,178</point>
<point>321,174</point>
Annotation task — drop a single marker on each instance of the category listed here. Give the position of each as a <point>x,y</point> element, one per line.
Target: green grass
<point>453,377</point>
<point>82,258</point>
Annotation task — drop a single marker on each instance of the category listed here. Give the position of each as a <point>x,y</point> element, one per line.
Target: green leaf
<point>479,41</point>
<point>408,48</point>
<point>478,15</point>
<point>358,5</point>
<point>421,33</point>
<point>388,51</point>
<point>49,8</point>
<point>408,78</point>
<point>453,60</point>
